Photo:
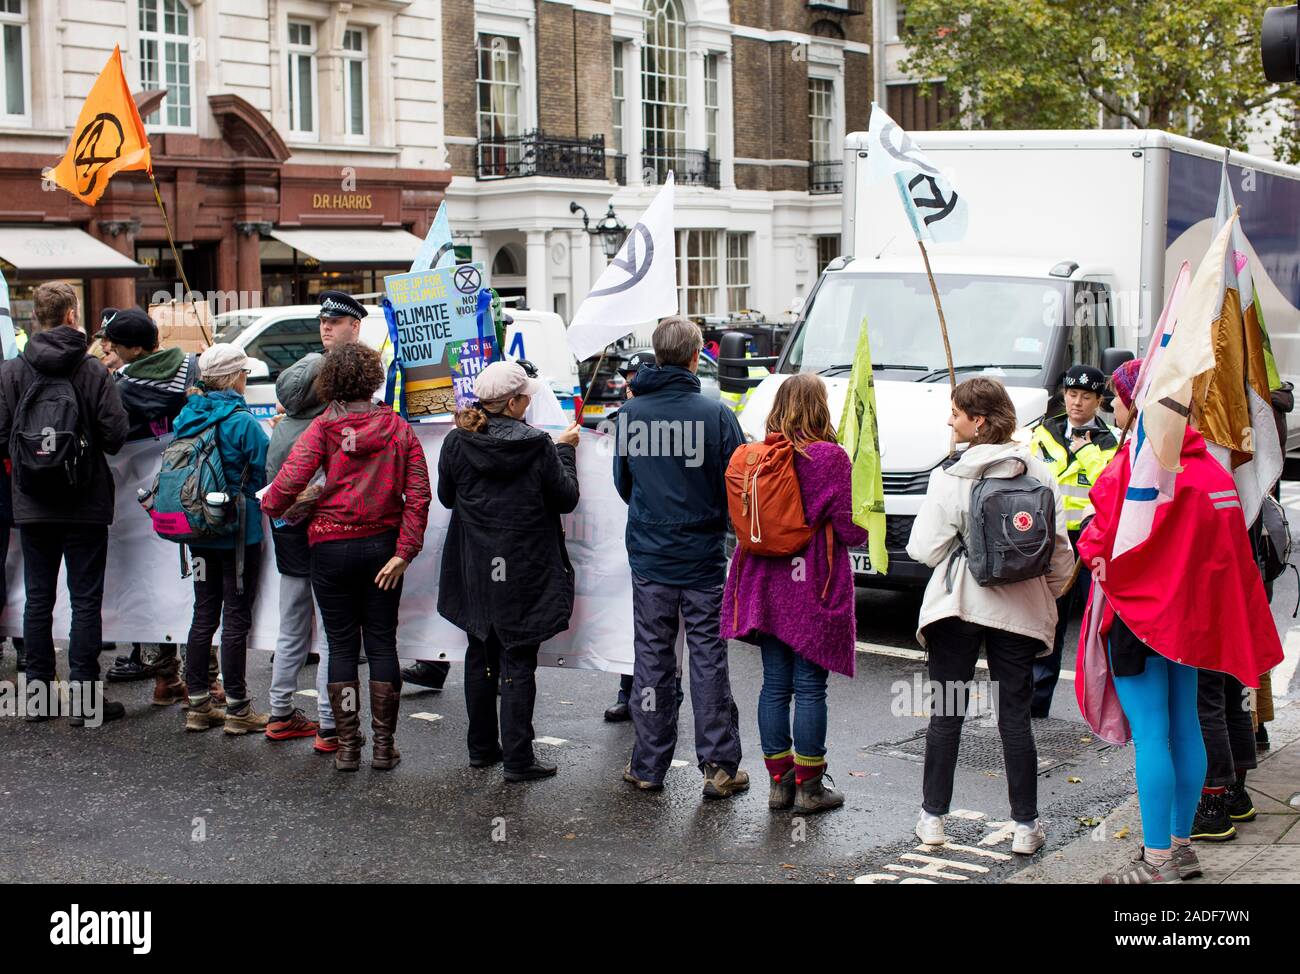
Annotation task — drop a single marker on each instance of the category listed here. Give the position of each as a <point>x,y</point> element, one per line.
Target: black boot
<point>21,653</point>
<point>1212,823</point>
<point>423,673</point>
<point>1240,806</point>
<point>618,713</point>
<point>1261,735</point>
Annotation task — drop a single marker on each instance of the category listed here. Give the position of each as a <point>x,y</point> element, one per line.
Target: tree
<point>1187,66</point>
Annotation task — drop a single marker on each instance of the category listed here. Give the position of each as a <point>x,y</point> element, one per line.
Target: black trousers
<point>1224,708</point>
<point>954,647</point>
<point>355,609</point>
<point>218,604</point>
<point>1047,669</point>
<point>516,666</point>
<point>84,549</point>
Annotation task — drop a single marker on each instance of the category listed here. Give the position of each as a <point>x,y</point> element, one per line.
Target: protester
<point>1076,445</point>
<point>1159,629</point>
<point>295,390</point>
<point>367,525</point>
<point>63,496</point>
<point>506,578</point>
<point>226,572</point>
<point>1015,621</point>
<point>676,526</point>
<point>803,621</point>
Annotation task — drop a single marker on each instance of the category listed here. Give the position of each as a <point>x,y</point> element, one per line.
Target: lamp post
<point>610,229</point>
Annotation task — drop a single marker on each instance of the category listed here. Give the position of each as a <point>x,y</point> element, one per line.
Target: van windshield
<point>1002,322</point>
<point>231,326</point>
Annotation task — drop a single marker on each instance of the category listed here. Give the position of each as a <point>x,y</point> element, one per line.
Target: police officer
<point>1077,445</point>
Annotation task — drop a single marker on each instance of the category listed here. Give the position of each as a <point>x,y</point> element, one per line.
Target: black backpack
<point>48,444</point>
<point>1273,551</point>
<point>1011,532</point>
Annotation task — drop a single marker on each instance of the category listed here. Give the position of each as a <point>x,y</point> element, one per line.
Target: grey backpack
<point>1012,529</point>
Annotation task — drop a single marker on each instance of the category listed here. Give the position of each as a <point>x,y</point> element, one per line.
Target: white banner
<point>147,601</point>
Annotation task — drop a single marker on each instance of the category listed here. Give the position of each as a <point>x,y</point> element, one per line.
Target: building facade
<point>298,145</point>
<point>592,103</point>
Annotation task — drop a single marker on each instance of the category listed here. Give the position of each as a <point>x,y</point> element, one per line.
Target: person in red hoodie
<point>367,524</point>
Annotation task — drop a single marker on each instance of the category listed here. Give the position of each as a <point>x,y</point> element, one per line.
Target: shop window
<point>284,342</point>
<point>737,272</point>
<point>355,80</point>
<point>166,60</point>
<point>15,90</point>
<point>699,277</point>
<point>302,78</point>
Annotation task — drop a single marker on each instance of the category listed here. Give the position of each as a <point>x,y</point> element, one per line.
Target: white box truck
<point>1073,238</point>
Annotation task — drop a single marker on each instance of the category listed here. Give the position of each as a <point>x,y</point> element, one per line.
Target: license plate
<point>861,563</point>
<point>593,410</point>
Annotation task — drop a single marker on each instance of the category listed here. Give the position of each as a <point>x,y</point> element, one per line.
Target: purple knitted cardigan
<point>762,595</point>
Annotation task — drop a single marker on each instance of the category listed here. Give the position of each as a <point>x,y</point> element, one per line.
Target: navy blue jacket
<point>671,449</point>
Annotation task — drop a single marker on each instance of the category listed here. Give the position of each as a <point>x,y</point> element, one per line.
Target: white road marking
<point>552,741</point>
<point>974,851</point>
<point>425,715</point>
<point>1001,832</point>
<point>678,763</point>
<point>902,652</point>
<point>307,693</point>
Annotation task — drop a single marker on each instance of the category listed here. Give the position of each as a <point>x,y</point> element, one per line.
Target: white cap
<point>222,359</point>
<point>501,380</point>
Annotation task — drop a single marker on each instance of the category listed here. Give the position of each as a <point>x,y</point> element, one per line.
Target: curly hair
<point>350,373</point>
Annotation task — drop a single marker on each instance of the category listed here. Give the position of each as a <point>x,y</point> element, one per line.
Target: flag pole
<point>592,381</point>
<point>180,268</point>
<point>943,325</point>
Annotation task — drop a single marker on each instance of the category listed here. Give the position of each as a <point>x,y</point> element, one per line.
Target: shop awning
<point>341,248</point>
<point>50,252</point>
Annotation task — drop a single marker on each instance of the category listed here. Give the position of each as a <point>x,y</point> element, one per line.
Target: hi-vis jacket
<point>1075,470</point>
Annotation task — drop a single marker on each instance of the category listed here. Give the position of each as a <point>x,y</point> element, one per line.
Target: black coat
<point>504,565</point>
<point>61,351</point>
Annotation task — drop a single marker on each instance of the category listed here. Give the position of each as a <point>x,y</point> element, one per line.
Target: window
<point>619,97</point>
<point>900,18</point>
<point>699,250</point>
<point>498,103</point>
<point>302,79</point>
<point>355,80</point>
<point>737,272</point>
<point>821,113</point>
<point>13,18</point>
<point>663,85</point>
<point>828,248</point>
<point>284,342</point>
<point>711,104</point>
<point>165,60</point>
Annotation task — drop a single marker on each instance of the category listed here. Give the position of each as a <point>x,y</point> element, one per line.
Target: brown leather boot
<point>345,701</point>
<point>385,699</point>
<point>168,687</point>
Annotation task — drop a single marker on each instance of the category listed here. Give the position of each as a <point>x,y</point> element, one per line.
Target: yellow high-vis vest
<point>1076,470</point>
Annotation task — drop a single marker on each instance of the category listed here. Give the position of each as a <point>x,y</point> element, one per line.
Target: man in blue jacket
<point>671,447</point>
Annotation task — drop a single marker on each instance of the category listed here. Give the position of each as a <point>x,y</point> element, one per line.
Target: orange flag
<point>108,139</point>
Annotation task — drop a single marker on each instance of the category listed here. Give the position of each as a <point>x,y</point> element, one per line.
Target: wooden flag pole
<point>943,325</point>
<point>592,381</point>
<point>180,268</point>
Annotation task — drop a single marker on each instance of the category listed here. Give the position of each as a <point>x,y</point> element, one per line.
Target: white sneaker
<point>1029,840</point>
<point>929,829</point>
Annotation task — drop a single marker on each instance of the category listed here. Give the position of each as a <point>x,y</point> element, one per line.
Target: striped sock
<point>779,764</point>
<point>806,768</point>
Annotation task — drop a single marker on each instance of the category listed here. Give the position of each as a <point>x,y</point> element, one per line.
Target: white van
<point>539,337</point>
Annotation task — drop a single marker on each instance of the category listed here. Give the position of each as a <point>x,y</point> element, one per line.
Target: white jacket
<point>1027,607</point>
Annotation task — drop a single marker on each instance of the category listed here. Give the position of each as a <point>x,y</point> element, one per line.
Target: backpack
<point>48,444</point>
<point>191,501</point>
<point>763,498</point>
<point>1273,551</point>
<point>1011,532</point>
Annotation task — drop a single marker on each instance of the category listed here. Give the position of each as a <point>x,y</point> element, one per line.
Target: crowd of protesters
<point>343,482</point>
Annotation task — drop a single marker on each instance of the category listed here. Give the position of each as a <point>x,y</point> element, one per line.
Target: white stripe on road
<point>902,652</point>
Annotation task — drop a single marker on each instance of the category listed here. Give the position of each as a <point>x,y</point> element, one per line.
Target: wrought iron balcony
<point>534,153</point>
<point>690,167</point>
<point>849,7</point>
<point>826,177</point>
<point>618,168</point>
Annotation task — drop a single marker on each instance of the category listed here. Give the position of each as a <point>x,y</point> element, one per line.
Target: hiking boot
<point>632,779</point>
<point>780,796</point>
<point>719,784</point>
<point>1212,823</point>
<point>534,772</point>
<point>618,713</point>
<point>385,700</point>
<point>1139,872</point>
<point>1189,866</point>
<point>218,693</point>
<point>345,701</point>
<point>203,714</point>
<point>168,687</point>
<point>423,673</point>
<point>812,794</point>
<point>1238,803</point>
<point>242,718</point>
<point>294,724</point>
<point>327,741</point>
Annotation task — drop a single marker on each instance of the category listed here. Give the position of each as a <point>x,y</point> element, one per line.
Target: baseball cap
<point>501,380</point>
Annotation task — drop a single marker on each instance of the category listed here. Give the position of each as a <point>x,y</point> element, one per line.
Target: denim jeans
<point>297,626</point>
<point>355,609</point>
<point>84,549</point>
<point>218,604</point>
<point>786,676</point>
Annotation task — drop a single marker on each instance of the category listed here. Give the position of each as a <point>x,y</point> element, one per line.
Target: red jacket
<point>376,478</point>
<point>1192,590</point>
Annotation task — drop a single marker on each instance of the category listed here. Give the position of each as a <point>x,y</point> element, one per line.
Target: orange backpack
<point>764,499</point>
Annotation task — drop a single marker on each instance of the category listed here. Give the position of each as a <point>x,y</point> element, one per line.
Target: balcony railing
<point>690,167</point>
<point>826,177</point>
<point>534,153</point>
<point>850,7</point>
<point>618,168</point>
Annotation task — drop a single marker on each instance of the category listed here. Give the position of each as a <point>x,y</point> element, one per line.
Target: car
<point>609,391</point>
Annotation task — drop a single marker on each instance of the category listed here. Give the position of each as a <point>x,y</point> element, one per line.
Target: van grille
<point>906,483</point>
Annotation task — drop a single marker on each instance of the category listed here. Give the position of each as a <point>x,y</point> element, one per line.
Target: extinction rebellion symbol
<point>467,279</point>
<point>1022,520</point>
<point>635,265</point>
<point>98,144</point>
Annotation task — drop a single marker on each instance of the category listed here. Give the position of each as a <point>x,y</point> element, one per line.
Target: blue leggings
<point>1160,704</point>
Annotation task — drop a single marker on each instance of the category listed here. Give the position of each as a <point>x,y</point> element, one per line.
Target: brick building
<point>554,102</point>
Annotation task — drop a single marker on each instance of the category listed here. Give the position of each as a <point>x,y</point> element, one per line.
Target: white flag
<point>929,198</point>
<point>639,285</point>
<point>437,251</point>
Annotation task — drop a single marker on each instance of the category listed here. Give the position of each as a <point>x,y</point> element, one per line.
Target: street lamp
<point>610,229</point>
